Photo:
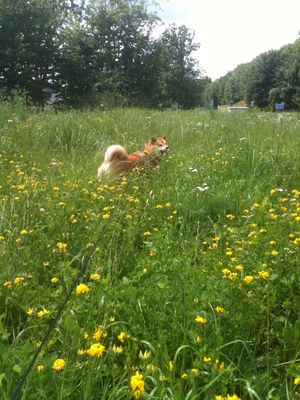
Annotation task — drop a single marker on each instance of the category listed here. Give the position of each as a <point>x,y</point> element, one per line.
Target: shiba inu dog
<point>117,161</point>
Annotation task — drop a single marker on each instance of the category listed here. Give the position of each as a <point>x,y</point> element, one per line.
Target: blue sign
<point>279,106</point>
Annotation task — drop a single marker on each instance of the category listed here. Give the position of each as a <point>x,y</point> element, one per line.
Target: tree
<point>29,45</point>
<point>179,71</point>
<point>232,90</point>
<point>121,31</point>
<point>90,52</point>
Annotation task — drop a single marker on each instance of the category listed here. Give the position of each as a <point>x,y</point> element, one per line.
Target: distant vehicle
<point>237,109</point>
<point>279,106</point>
<point>55,99</point>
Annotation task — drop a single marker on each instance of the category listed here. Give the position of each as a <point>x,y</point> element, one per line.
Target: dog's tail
<point>115,153</point>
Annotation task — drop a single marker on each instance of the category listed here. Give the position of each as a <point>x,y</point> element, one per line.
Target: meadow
<point>180,282</point>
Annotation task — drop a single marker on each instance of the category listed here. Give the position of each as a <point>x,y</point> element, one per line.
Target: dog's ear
<point>164,137</point>
<point>153,140</point>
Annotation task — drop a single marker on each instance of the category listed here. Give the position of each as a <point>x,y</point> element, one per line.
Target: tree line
<point>97,52</point>
<point>272,77</point>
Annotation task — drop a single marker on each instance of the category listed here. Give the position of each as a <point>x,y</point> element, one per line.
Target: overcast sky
<point>233,32</point>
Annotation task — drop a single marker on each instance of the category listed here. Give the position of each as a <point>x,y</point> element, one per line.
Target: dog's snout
<point>164,150</point>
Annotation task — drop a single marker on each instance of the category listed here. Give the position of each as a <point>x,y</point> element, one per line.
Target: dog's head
<point>158,145</point>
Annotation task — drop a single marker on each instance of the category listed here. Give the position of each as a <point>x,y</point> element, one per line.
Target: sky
<point>233,32</point>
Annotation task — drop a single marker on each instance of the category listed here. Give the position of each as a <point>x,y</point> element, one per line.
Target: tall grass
<point>191,269</point>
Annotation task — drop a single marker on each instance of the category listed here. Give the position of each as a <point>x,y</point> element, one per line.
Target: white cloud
<point>233,32</point>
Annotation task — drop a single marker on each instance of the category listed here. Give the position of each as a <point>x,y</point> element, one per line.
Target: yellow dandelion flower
<point>230,217</point>
<point>252,234</point>
<point>96,350</point>
<point>297,381</point>
<point>145,355</point>
<point>62,247</point>
<point>137,384</point>
<point>170,366</point>
<point>59,364</point>
<point>42,313</point>
<point>263,274</point>
<point>73,219</point>
<point>122,336</point>
<point>117,349</point>
<point>85,335</point>
<point>184,376</point>
<point>150,367</point>
<point>95,277</point>
<point>239,267</point>
<point>200,320</point>
<point>98,334</point>
<point>105,216</point>
<point>82,288</point>
<point>198,340</point>
<point>18,280</point>
<point>147,233</point>
<point>7,284</point>
<point>40,368</point>
<point>283,200</point>
<point>54,280</point>
<point>222,366</point>
<point>24,232</point>
<point>232,276</point>
<point>219,310</point>
<point>226,272</point>
<point>248,279</point>
<point>206,359</point>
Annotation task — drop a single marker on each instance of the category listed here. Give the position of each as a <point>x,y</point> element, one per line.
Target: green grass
<point>213,232</point>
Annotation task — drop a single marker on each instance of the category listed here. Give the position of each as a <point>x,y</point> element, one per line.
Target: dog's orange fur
<point>117,161</point>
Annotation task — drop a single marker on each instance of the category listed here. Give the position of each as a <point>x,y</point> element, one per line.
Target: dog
<point>118,162</point>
